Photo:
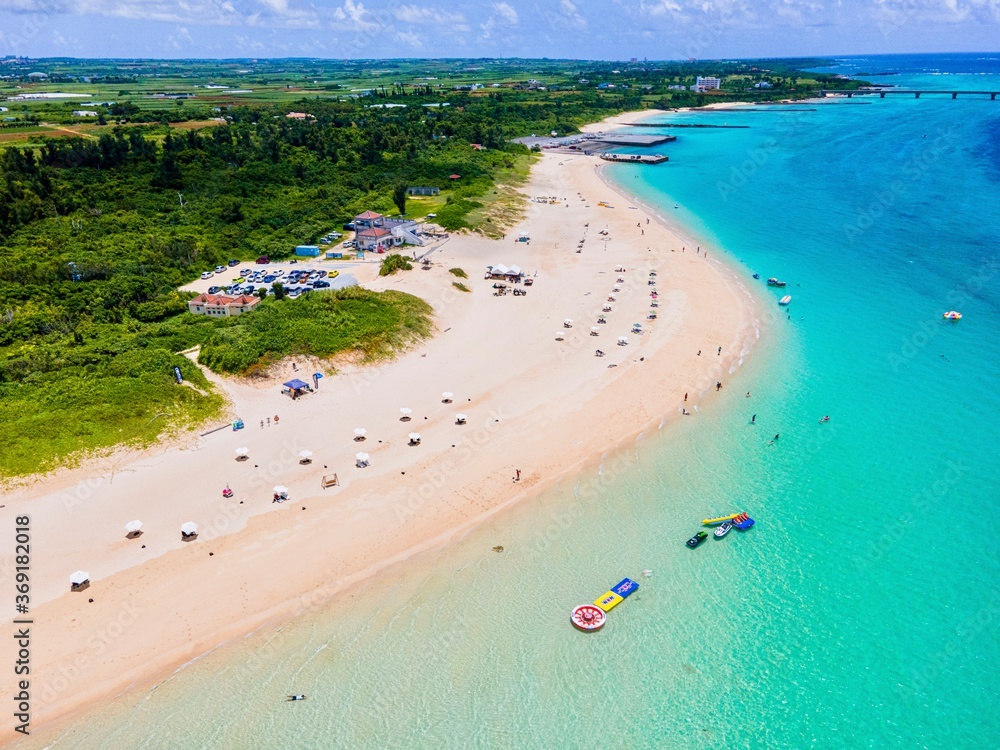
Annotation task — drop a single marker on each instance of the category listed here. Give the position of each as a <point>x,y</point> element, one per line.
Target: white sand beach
<point>534,404</point>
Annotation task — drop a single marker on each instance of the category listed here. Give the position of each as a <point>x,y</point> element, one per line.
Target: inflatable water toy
<point>952,315</point>
<point>743,522</point>
<point>696,539</point>
<point>588,617</point>
<point>722,530</point>
<point>720,519</point>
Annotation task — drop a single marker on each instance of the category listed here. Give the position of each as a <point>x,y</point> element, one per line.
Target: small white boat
<point>723,529</point>
<point>785,300</point>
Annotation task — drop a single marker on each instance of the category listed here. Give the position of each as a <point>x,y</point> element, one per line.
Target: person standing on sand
<point>720,352</point>
<point>685,397</point>
<point>518,477</point>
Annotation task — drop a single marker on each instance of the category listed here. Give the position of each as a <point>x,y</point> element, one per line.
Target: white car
<point>220,269</point>
<point>207,275</point>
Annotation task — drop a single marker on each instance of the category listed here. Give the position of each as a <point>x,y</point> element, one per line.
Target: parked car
<point>233,262</point>
<point>348,243</point>
<point>214,289</point>
<point>349,226</point>
<point>207,275</point>
<point>321,285</point>
<point>321,273</point>
<point>263,259</point>
<point>278,272</point>
<point>220,269</point>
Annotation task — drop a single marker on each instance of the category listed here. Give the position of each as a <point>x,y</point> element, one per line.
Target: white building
<point>84,113</point>
<point>764,85</point>
<point>704,84</point>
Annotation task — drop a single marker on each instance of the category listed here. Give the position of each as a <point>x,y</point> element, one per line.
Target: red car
<point>263,259</point>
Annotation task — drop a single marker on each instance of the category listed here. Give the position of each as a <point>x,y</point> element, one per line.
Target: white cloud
<point>502,15</point>
<point>506,13</point>
<point>570,14</point>
<point>355,16</point>
<point>409,38</point>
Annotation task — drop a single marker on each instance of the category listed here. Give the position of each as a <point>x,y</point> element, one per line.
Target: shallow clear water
<point>861,611</point>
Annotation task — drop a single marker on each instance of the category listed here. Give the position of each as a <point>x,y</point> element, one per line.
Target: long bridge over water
<point>913,92</point>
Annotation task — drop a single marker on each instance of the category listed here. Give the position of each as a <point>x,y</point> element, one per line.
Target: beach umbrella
<point>79,578</point>
<point>305,454</point>
<point>242,452</point>
<point>460,418</point>
<point>623,340</point>
<point>568,322</point>
<point>359,433</point>
<point>447,396</point>
<point>559,335</point>
<point>595,329</point>
<point>189,529</point>
<point>133,526</point>
<point>616,289</point>
<point>406,412</point>
<point>280,489</point>
<point>361,459</point>
<point>414,437</point>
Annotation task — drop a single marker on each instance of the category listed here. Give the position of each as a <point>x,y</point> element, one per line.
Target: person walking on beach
<point>685,397</point>
<point>518,477</point>
<point>720,352</point>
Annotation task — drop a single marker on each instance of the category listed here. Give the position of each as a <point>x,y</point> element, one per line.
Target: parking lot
<point>298,277</point>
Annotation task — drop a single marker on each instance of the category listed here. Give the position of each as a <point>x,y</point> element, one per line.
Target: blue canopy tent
<point>294,388</point>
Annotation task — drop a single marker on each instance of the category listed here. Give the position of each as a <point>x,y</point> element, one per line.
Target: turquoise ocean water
<point>863,610</point>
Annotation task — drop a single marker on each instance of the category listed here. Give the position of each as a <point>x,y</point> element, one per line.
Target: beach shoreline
<point>554,410</point>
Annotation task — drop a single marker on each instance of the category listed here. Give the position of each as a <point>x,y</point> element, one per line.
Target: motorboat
<point>774,282</point>
<point>722,529</point>
<point>697,539</point>
<point>785,300</point>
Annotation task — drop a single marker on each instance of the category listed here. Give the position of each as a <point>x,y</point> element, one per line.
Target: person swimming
<point>296,697</point>
<point>825,419</point>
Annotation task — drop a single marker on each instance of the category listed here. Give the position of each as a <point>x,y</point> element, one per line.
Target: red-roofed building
<point>221,305</point>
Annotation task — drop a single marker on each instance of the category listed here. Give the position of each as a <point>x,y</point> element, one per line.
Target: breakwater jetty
<point>637,158</point>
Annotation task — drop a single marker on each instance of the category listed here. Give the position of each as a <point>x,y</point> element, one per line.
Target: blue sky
<point>608,29</point>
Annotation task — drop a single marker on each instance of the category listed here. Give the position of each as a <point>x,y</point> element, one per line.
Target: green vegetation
<point>322,325</point>
<point>458,272</point>
<point>392,263</point>
<point>460,286</point>
<point>103,218</point>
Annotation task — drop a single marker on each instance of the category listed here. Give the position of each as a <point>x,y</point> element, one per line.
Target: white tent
<point>460,418</point>
<point>414,437</point>
<point>499,270</point>
<point>514,271</point>
<point>133,526</point>
<point>79,578</point>
<point>447,396</point>
<point>189,529</point>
